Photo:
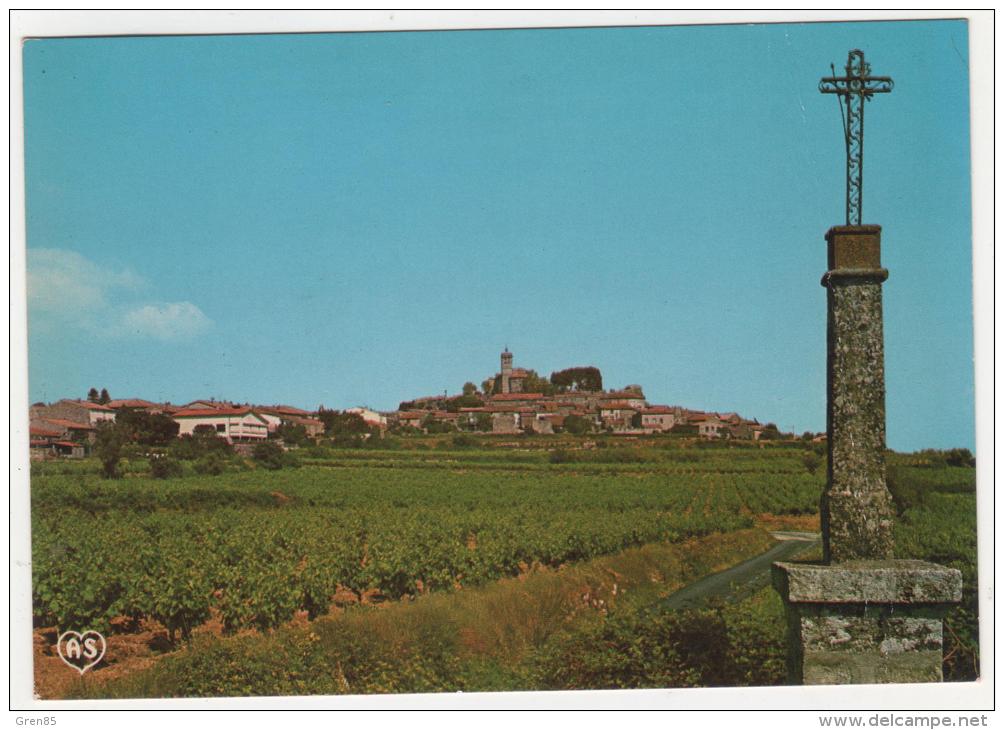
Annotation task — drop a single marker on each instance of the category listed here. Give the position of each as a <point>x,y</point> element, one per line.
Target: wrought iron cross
<point>856,86</point>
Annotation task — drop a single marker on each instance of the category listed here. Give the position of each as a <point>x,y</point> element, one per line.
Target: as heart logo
<point>81,651</point>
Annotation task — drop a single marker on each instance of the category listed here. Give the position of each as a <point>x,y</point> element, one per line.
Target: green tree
<point>464,401</point>
<point>770,433</point>
<point>108,448</point>
<point>104,397</point>
<point>580,378</point>
<point>484,422</point>
<point>577,425</point>
<point>536,384</point>
<point>470,388</point>
<point>432,425</point>
<point>293,433</point>
<point>149,429</point>
<point>343,424</point>
<point>92,395</point>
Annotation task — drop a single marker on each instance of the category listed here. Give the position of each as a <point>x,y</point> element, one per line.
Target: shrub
<point>560,456</point>
<point>197,445</point>
<point>741,644</point>
<point>960,457</point>
<point>164,467</point>
<point>811,461</point>
<point>269,455</point>
<point>211,464</point>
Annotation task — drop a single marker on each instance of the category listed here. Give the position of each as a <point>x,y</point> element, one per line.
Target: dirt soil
<point>137,647</point>
<point>796,523</point>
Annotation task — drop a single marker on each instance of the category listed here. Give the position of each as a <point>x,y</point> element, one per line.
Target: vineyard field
<point>257,546</point>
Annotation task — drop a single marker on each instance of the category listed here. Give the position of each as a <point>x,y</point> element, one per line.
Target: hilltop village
<point>513,401</point>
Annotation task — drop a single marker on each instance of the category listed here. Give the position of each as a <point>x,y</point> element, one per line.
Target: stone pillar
<point>860,617</point>
<point>856,507</point>
<point>866,621</point>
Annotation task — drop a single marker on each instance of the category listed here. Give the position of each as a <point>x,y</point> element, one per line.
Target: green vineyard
<point>258,546</point>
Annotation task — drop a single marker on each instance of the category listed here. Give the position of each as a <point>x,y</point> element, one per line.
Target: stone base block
<point>866,622</point>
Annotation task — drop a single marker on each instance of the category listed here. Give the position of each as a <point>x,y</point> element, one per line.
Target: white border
<point>888,697</point>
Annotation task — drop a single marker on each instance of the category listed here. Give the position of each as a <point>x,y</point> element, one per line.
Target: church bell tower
<point>506,369</point>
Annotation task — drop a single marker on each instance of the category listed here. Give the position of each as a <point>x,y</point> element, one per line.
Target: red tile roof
<point>517,396</point>
<point>88,405</point>
<point>283,410</point>
<point>132,403</point>
<point>654,410</point>
<point>70,424</point>
<point>212,404</point>
<point>212,412</point>
<point>306,420</point>
<point>623,394</point>
<point>39,431</point>
<point>618,406</point>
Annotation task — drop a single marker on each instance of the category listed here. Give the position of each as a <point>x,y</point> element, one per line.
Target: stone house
<point>505,421</point>
<point>516,399</point>
<point>633,398</point>
<point>618,415</point>
<point>412,418</point>
<point>75,411</point>
<point>659,418</point>
<point>47,442</point>
<point>66,430</point>
<point>373,418</point>
<point>313,426</point>
<point>711,426</point>
<point>137,404</point>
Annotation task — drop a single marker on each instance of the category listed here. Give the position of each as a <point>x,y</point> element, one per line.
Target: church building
<point>513,380</point>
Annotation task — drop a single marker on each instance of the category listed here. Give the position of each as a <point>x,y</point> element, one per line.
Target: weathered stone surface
<point>854,247</point>
<point>867,621</point>
<point>860,617</point>
<point>827,667</point>
<point>902,582</point>
<point>869,645</point>
<point>856,507</point>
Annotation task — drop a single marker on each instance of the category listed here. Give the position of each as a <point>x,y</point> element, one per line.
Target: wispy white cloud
<point>167,321</point>
<point>64,282</point>
<point>67,290</point>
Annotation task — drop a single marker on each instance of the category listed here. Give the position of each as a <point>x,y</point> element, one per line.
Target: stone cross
<point>860,616</point>
<point>856,87</point>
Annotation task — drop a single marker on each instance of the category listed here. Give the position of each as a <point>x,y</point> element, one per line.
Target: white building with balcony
<point>232,424</point>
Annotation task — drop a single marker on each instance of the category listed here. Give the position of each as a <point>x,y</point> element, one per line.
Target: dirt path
<point>745,578</point>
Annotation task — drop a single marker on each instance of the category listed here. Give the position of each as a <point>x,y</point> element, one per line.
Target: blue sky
<point>355,219</point>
